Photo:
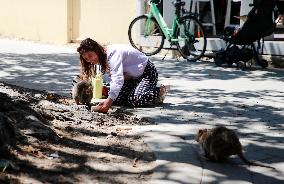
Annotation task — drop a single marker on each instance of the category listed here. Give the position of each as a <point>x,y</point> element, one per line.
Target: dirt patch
<point>55,141</point>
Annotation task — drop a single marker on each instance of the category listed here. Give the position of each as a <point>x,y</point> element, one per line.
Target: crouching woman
<point>133,77</point>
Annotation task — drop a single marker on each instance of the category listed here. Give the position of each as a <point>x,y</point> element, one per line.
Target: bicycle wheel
<point>146,35</point>
<point>191,37</point>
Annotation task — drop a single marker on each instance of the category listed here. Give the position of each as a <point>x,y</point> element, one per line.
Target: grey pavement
<point>201,96</point>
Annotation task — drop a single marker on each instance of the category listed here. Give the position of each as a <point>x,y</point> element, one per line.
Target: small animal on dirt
<point>219,143</point>
<point>82,92</point>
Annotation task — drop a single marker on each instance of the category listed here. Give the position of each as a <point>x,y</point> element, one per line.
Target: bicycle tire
<point>148,44</point>
<point>193,46</point>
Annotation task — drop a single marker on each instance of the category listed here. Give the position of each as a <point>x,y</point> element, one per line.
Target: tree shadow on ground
<point>256,115</point>
<point>198,71</point>
<point>54,73</point>
<point>74,157</point>
<point>50,72</point>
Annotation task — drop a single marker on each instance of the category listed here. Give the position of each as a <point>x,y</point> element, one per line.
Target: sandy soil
<point>57,141</point>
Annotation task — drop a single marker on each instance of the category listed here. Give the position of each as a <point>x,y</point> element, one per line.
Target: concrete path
<point>201,96</point>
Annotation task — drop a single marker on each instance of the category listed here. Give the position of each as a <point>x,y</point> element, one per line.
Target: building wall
<point>62,21</point>
<point>42,20</point>
<point>106,21</point>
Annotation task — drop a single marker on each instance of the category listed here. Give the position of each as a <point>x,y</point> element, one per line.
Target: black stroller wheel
<point>229,62</point>
<point>219,60</point>
<point>241,65</point>
<point>263,63</point>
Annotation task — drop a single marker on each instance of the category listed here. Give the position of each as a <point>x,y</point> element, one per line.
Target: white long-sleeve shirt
<point>123,60</point>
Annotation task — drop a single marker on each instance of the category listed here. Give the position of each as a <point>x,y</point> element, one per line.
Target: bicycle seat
<point>178,3</point>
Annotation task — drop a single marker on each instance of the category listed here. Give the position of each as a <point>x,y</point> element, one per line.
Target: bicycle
<point>148,32</point>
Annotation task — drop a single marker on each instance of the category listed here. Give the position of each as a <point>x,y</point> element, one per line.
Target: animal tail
<point>254,163</point>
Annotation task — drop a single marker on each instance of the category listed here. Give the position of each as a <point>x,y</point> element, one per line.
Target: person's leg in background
<point>280,13</point>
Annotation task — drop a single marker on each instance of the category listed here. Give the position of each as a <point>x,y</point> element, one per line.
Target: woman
<point>133,77</point>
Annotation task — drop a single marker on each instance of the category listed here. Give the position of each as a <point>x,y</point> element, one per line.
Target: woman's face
<point>91,57</point>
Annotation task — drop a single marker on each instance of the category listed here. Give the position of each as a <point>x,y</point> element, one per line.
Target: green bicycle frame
<point>168,32</point>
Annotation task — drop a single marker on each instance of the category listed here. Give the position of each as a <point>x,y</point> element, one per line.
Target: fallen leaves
<point>34,151</point>
<point>50,96</point>
<point>123,129</point>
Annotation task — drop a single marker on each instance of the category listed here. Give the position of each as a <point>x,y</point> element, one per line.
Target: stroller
<point>240,41</point>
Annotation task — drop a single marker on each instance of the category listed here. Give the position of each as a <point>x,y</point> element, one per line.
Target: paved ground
<point>201,96</point>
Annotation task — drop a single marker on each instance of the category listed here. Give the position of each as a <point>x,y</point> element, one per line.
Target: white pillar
<point>140,7</point>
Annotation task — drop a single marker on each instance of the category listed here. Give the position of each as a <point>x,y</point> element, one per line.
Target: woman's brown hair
<point>91,45</point>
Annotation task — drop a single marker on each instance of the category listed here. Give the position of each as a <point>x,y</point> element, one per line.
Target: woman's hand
<point>105,105</point>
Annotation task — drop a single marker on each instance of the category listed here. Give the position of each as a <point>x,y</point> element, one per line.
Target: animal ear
<point>198,135</point>
<point>201,131</point>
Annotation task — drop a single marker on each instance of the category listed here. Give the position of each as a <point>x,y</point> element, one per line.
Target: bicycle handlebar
<point>178,3</point>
